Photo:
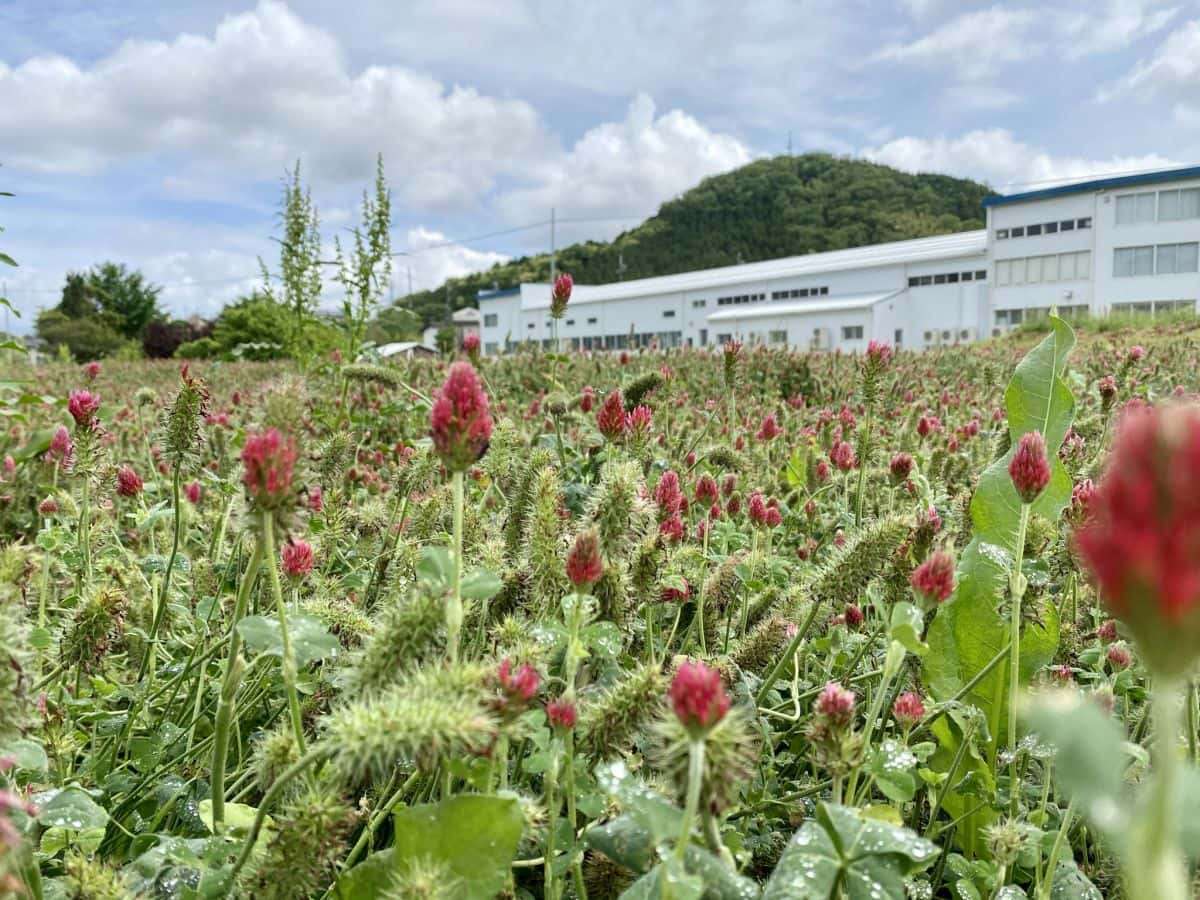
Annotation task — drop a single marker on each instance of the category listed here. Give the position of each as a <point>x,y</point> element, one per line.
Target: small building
<point>405,350</point>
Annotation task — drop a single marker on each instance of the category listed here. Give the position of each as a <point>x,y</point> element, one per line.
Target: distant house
<point>466,321</point>
<point>405,350</point>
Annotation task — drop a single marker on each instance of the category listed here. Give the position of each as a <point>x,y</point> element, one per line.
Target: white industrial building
<point>1111,244</point>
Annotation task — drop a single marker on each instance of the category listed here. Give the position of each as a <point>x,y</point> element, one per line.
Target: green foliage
<point>299,277</point>
<point>126,299</point>
<point>85,338</point>
<point>785,206</point>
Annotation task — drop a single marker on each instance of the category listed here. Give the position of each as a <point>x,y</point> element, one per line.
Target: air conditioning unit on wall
<point>820,339</point>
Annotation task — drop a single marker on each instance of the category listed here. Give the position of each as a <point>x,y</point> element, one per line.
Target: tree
<point>86,337</point>
<point>394,323</point>
<point>161,338</point>
<point>255,327</point>
<point>126,299</point>
<point>78,297</point>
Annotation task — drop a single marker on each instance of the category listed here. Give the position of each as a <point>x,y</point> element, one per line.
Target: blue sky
<point>156,134</point>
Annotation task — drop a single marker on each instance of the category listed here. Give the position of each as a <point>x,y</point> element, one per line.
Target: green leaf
<point>869,859</point>
<point>892,763</point>
<point>473,835</point>
<point>968,630</point>
<point>649,809</point>
<point>1071,884</point>
<point>1089,760</point>
<point>7,260</point>
<point>907,624</point>
<point>310,640</point>
<point>71,808</point>
<point>481,585</point>
<point>371,878</point>
<point>9,344</point>
<point>238,819</point>
<point>26,754</point>
<point>435,568</point>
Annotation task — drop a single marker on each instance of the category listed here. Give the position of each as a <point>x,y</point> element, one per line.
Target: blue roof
<point>493,293</point>
<point>1098,184</point>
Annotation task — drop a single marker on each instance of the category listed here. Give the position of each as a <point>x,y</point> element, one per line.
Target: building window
<point>981,274</point>
<point>952,278</point>
<point>898,337</point>
<point>1132,261</point>
<point>697,304</point>
<point>1033,270</point>
<point>1067,225</point>
<point>945,335</point>
<point>724,338</point>
<point>1051,227</point>
<point>1175,258</point>
<point>1001,234</point>
<point>1176,205</point>
<point>1085,222</point>
<point>1033,230</point>
<point>967,276</point>
<point>824,292</point>
<point>570,321</point>
<point>1018,271</point>
<point>1018,232</point>
<point>592,321</point>
<point>490,348</point>
<point>491,320</point>
<point>531,326</point>
<point>1135,209</point>
<point>1050,268</point>
<point>913,281</point>
<point>668,313</point>
<point>778,337</point>
<point>964,334</point>
<point>939,279</point>
<point>1003,273</point>
<point>852,332</point>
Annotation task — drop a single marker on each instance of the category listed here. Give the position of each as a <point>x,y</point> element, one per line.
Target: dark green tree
<point>78,298</point>
<point>127,300</point>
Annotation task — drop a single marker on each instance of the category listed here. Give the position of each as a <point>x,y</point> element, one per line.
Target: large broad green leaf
<point>310,639</point>
<point>370,879</point>
<point>840,848</point>
<point>70,808</point>
<point>1071,884</point>
<point>474,836</point>
<point>970,628</point>
<point>1090,759</point>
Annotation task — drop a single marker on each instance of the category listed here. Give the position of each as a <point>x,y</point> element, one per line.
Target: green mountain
<point>771,208</point>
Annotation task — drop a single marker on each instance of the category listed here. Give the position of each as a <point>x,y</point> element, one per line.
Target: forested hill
<point>771,208</point>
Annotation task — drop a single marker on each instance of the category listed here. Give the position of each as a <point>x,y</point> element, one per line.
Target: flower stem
<point>160,609</point>
<point>1156,870</point>
<point>288,663</point>
<point>234,666</point>
<point>1016,581</point>
<point>891,666</point>
<point>695,777</point>
<point>454,608</point>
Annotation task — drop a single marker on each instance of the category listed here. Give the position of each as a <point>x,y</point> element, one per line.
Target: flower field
<point>677,624</point>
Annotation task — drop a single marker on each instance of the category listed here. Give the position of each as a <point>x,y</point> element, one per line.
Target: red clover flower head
<point>470,346</point>
<point>193,492</point>
<point>83,406</point>
<point>640,420</point>
<point>92,370</point>
<point>297,559</point>
<point>521,686</point>
<point>584,565</point>
<point>769,429</point>
<point>698,696</point>
<point>129,483</point>
<point>835,704</point>
<point>908,709</point>
<point>706,489</point>
<point>611,419</point>
<point>900,467</point>
<point>1141,539</point>
<point>667,494</point>
<point>843,456</point>
<point>1029,468</point>
<point>268,460</point>
<point>933,580</point>
<point>460,422</point>
<point>561,713</point>
<point>560,295</point>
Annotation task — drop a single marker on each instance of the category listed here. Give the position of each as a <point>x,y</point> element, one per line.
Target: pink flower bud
<point>835,704</point>
<point>460,422</point>
<point>561,713</point>
<point>908,709</point>
<point>268,460</point>
<point>297,559</point>
<point>933,580</point>
<point>1029,469</point>
<point>129,484</point>
<point>584,565</point>
<point>698,696</point>
<point>83,405</point>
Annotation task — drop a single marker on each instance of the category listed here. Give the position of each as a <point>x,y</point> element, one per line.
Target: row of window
<point>1043,228</point>
<point>947,278</point>
<point>1153,307</point>
<point>1158,206</point>
<point>795,293</point>
<point>1006,317</point>
<point>664,339</point>
<point>739,299</point>
<point>1038,269</point>
<point>1163,259</point>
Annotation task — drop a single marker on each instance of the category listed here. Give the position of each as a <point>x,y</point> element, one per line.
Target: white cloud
<point>1175,66</point>
<point>433,260</point>
<point>997,157</point>
<point>627,168</point>
<point>265,89</point>
<point>1115,26</point>
<point>974,44</point>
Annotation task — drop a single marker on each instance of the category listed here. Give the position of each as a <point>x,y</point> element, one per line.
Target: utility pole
<point>553,262</point>
<point>621,267</point>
